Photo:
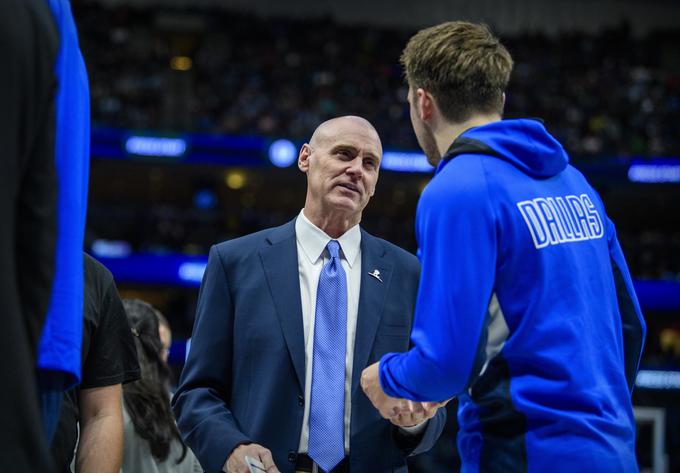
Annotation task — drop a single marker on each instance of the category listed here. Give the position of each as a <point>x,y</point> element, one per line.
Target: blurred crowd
<point>605,94</point>
<point>651,254</point>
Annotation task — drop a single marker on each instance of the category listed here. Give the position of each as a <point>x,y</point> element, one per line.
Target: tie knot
<point>333,248</point>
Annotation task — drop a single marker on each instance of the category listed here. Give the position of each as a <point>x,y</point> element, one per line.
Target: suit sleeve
<point>457,236</point>
<point>632,321</point>
<point>201,403</point>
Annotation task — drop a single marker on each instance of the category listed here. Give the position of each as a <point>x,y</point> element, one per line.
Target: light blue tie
<point>327,408</point>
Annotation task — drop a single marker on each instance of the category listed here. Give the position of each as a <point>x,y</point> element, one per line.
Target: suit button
<point>301,401</point>
<point>292,456</point>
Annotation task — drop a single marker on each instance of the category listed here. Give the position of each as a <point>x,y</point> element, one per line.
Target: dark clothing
<point>50,395</point>
<point>28,47</point>
<point>245,375</point>
<point>109,353</point>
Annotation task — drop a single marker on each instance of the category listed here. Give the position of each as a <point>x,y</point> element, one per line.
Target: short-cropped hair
<point>463,65</point>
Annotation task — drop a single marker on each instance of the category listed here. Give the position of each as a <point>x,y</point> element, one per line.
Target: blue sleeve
<point>201,402</point>
<point>457,237</point>
<point>60,344</point>
<point>632,321</point>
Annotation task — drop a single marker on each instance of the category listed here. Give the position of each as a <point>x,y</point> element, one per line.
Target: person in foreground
<point>90,426</point>
<point>29,44</point>
<point>526,310</point>
<point>286,320</point>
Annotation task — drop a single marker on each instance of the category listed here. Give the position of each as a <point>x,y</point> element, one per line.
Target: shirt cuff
<point>414,429</point>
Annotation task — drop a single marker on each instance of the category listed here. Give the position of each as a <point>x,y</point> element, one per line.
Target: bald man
<point>287,319</point>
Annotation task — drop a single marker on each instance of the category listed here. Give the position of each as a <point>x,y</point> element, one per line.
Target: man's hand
<point>236,463</point>
<point>388,407</point>
<point>413,413</point>
<point>400,412</point>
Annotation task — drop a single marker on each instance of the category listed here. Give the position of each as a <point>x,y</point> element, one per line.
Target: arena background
<point>199,107</point>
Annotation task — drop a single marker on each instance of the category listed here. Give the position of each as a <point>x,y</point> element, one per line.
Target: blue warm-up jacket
<point>61,338</point>
<point>526,309</point>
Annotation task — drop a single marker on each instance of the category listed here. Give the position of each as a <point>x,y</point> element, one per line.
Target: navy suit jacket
<point>245,375</point>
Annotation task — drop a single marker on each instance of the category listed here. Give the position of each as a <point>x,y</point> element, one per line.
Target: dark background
<point>603,75</point>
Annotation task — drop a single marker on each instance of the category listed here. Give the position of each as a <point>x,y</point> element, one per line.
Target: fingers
<point>398,411</point>
<point>387,407</point>
<point>407,419</point>
<point>430,408</point>
<point>397,406</point>
<point>438,404</point>
<point>411,413</point>
<point>369,379</point>
<point>404,406</point>
<point>370,384</point>
<point>415,406</point>
<point>401,411</point>
<point>236,463</point>
<point>400,406</point>
<point>268,461</point>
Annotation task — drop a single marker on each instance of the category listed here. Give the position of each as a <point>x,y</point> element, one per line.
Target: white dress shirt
<point>311,246</point>
<point>312,256</point>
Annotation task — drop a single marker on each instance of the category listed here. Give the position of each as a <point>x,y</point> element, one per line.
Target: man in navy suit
<point>288,317</point>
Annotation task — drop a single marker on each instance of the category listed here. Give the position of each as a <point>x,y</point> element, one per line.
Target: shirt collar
<point>313,240</point>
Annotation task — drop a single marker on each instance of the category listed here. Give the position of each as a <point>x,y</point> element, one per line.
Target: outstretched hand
<point>387,406</point>
<point>400,412</point>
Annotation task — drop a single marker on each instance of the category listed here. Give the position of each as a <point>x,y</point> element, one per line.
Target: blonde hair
<point>463,65</point>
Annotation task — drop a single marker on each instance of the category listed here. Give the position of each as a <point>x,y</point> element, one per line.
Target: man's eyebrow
<point>339,146</point>
<point>354,149</point>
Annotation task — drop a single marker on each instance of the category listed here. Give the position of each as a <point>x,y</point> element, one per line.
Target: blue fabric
<point>61,339</point>
<point>514,220</point>
<point>245,373</point>
<point>50,388</point>
<point>327,408</point>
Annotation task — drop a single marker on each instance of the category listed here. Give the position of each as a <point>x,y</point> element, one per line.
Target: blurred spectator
<point>606,94</point>
<point>165,334</point>
<point>664,349</point>
<point>152,441</point>
<point>669,339</point>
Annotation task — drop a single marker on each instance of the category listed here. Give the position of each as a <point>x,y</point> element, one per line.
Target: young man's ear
<point>425,104</point>
<point>303,157</point>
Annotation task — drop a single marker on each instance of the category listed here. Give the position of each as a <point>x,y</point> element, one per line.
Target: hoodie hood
<point>525,143</point>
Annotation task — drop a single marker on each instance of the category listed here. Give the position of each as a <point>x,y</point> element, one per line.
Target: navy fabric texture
<point>245,374</point>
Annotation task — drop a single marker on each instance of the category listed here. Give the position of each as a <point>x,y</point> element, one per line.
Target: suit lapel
<point>280,263</point>
<point>371,301</point>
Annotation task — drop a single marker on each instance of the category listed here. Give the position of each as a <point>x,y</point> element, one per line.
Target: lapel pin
<point>376,274</point>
